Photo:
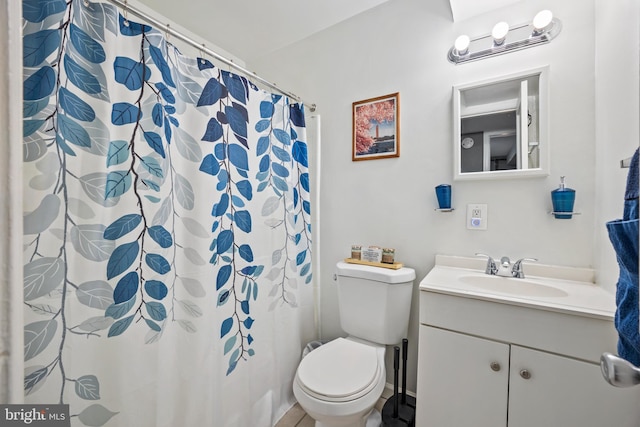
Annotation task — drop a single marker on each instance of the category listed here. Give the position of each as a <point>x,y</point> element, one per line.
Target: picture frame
<point>376,128</point>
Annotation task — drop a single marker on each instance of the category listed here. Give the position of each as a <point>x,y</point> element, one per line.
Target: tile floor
<point>296,417</point>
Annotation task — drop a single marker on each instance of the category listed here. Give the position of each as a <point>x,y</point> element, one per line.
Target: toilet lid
<point>339,370</point>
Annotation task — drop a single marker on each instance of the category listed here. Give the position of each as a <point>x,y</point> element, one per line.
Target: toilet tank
<point>374,302</point>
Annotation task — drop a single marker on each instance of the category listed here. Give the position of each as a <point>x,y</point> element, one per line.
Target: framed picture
<point>376,128</point>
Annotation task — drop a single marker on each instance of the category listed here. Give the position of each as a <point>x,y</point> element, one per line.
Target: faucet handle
<point>491,264</point>
<point>517,270</point>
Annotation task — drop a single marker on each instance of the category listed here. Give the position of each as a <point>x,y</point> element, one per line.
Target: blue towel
<point>624,238</point>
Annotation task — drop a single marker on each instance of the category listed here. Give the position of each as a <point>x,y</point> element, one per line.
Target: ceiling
<point>465,9</point>
<point>249,29</point>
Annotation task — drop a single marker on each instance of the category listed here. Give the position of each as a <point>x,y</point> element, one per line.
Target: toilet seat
<point>339,371</point>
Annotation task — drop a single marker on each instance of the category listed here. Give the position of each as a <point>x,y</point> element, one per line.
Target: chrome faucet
<point>505,269</point>
<point>492,268</point>
<point>517,270</point>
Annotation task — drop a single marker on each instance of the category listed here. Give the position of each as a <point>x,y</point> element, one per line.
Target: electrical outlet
<point>476,216</point>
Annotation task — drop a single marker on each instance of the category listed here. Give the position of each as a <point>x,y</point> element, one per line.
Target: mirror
<point>500,127</point>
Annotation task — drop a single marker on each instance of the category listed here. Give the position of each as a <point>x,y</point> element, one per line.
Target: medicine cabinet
<point>501,127</point>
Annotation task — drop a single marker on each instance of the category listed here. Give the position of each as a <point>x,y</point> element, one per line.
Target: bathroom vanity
<point>497,351</point>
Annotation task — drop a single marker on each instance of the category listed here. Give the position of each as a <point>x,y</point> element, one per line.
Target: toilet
<point>339,383</point>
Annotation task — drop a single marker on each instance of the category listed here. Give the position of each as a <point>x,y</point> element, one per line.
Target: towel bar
<point>625,163</point>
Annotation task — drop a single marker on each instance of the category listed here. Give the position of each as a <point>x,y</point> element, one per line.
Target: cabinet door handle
<point>525,374</point>
<point>495,366</point>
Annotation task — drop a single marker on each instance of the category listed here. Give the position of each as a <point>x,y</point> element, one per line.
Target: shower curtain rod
<point>127,8</point>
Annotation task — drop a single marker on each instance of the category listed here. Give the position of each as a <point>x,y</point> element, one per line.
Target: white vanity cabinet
<point>561,391</point>
<point>456,383</point>
<point>493,360</point>
<point>476,382</point>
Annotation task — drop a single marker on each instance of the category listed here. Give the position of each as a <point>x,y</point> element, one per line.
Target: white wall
<point>617,111</point>
<point>401,46</point>
<point>153,9</point>
<point>11,293</point>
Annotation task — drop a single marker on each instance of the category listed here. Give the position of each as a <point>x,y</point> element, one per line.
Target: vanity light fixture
<point>505,38</point>
<point>461,45</point>
<point>541,21</point>
<point>499,33</point>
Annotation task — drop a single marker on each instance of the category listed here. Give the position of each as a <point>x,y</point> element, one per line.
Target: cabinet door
<point>457,384</point>
<point>557,391</point>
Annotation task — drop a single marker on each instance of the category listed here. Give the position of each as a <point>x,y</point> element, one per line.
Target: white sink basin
<point>512,286</point>
<point>554,288</point>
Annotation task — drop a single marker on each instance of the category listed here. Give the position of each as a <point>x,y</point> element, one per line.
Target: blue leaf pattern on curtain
<point>137,159</point>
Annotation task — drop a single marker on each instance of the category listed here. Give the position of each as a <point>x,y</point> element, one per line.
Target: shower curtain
<point>167,236</point>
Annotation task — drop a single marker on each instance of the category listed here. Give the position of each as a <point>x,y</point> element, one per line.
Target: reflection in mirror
<point>499,127</point>
<point>489,142</point>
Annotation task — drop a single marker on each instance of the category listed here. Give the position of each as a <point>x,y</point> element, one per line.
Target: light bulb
<point>499,32</point>
<point>461,44</point>
<point>542,20</point>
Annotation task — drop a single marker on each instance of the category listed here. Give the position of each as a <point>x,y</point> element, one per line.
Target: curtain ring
<point>86,3</point>
<point>202,61</point>
<point>167,34</point>
<point>125,13</point>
